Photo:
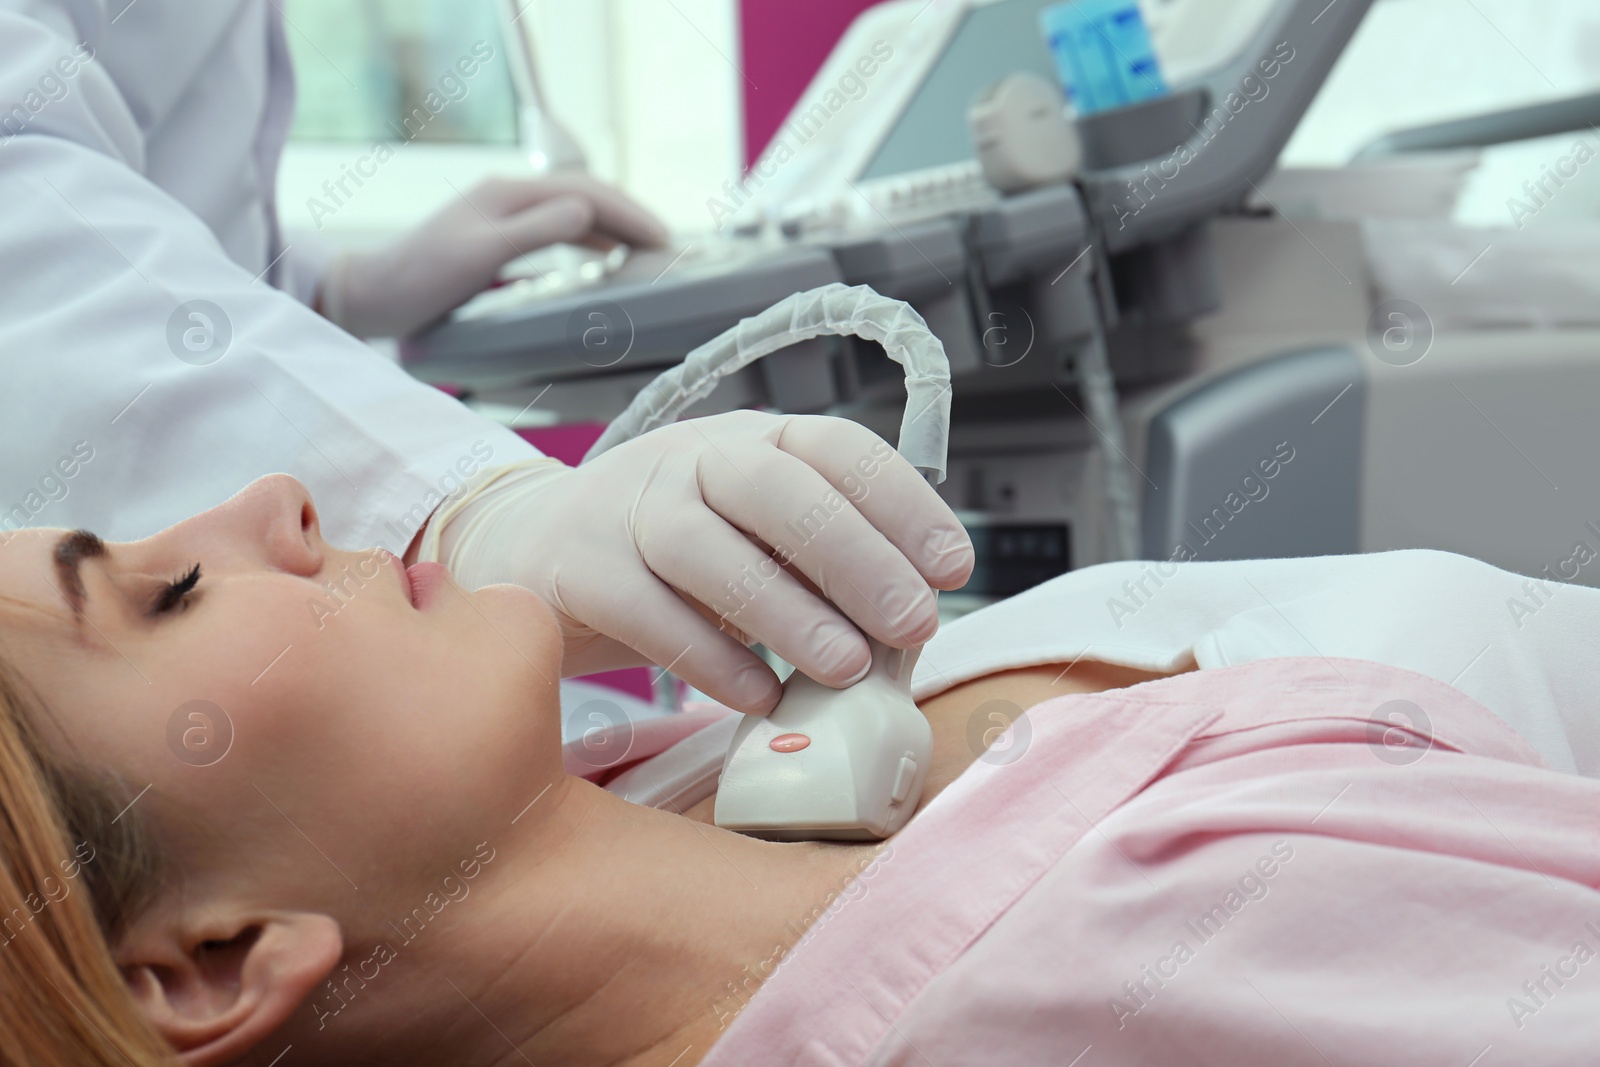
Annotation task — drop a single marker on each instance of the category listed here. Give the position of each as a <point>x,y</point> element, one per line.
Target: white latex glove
<point>651,544</point>
<point>458,253</point>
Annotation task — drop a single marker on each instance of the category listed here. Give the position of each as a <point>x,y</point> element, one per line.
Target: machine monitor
<point>993,41</point>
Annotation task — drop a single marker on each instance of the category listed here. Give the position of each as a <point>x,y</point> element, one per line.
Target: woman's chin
<point>525,621</point>
<point>515,598</point>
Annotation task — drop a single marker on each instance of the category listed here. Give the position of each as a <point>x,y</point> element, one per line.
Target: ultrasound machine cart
<point>1081,432</point>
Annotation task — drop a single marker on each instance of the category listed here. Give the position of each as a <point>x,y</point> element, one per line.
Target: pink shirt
<point>1230,867</point>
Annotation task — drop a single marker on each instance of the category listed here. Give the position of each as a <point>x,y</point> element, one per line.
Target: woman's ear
<point>217,989</point>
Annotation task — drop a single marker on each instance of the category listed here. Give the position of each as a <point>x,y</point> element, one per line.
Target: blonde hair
<point>63,1000</point>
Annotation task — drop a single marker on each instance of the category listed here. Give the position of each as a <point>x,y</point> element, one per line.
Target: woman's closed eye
<point>174,595</point>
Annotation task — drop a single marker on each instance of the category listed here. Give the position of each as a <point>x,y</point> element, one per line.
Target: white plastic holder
<point>1023,136</point>
<point>860,773</point>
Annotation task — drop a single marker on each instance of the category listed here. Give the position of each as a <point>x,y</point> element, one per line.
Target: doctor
<point>160,351</point>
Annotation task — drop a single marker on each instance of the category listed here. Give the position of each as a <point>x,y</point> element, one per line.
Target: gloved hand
<point>458,253</point>
<point>687,542</point>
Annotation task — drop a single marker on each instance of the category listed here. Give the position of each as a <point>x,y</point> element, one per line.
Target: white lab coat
<point>143,184</point>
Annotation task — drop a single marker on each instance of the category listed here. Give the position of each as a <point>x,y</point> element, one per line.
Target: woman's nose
<point>272,522</point>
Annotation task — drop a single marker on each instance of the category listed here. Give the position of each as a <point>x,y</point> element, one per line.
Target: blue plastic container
<point>1103,53</point>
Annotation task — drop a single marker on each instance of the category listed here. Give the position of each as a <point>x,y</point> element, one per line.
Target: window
<point>1428,61</point>
<point>648,89</point>
<point>401,70</point>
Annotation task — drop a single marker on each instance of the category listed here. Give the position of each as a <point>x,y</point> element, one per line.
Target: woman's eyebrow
<point>70,552</point>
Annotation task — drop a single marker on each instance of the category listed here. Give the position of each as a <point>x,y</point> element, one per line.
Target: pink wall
<point>568,443</point>
<point>785,43</point>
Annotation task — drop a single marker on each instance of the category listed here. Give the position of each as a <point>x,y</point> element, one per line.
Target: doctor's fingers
<point>648,616</point>
<point>710,562</point>
<point>564,220</point>
<point>616,216</point>
<point>811,526</point>
<point>886,489</point>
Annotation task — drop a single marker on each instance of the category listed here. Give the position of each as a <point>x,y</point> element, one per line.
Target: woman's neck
<point>613,934</point>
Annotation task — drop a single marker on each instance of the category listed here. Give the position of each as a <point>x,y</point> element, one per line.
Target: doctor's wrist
<point>331,299</point>
<point>484,535</point>
<point>357,295</point>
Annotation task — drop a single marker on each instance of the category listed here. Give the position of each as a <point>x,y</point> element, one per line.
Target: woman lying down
<point>1337,811</point>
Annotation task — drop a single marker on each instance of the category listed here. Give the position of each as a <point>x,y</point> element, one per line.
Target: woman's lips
<point>426,580</point>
